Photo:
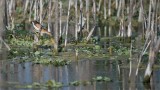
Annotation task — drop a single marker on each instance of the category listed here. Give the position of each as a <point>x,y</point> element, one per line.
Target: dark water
<point>12,74</point>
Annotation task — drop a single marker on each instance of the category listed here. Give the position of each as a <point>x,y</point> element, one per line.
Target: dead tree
<point>3,17</point>
<point>155,43</point>
<point>76,21</point>
<point>68,14</point>
<point>80,35</point>
<point>3,23</point>
<point>56,36</point>
<point>87,14</point>
<point>130,18</point>
<point>25,8</point>
<point>121,17</point>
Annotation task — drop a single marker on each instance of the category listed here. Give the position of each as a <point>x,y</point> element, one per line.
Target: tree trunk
<point>41,11</point>
<point>35,18</point>
<point>69,6</point>
<point>3,24</point>
<point>60,19</point>
<point>140,17</point>
<point>76,21</point>
<point>49,15</point>
<point>119,8</point>
<point>56,27</point>
<point>149,19</point>
<point>81,20</point>
<point>105,17</point>
<point>30,9</point>
<point>3,17</point>
<point>94,10</point>
<point>25,8</point>
<point>154,47</point>
<point>109,8</point>
<point>87,14</point>
<point>130,18</point>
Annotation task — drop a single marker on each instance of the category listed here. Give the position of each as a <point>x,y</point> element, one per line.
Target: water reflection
<point>83,70</point>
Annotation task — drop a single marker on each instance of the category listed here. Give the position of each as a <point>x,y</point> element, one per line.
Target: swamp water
<point>14,74</point>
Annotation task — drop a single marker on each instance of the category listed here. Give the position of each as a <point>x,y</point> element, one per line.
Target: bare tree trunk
<point>123,19</point>
<point>154,47</point>
<point>149,19</point>
<point>81,20</point>
<point>56,36</point>
<point>30,9</point>
<point>49,15</point>
<point>35,10</point>
<point>90,33</point>
<point>60,17</point>
<point>99,5</point>
<point>3,24</point>
<point>117,4</point>
<point>140,18</point>
<point>122,31</point>
<point>109,14</point>
<point>35,18</point>
<point>98,9</point>
<point>119,8</point>
<point>10,15</point>
<point>2,17</point>
<point>41,10</point>
<point>130,18</point>
<point>105,10</point>
<point>109,8</point>
<point>105,17</point>
<point>25,8</point>
<point>94,16</point>
<point>87,13</point>
<point>94,10</point>
<point>69,6</point>
<point>76,22</point>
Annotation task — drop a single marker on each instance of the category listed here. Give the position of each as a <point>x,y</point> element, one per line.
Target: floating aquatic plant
<point>100,79</point>
<point>53,83</point>
<point>75,83</point>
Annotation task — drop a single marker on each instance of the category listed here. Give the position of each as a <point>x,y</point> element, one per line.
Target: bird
<point>39,28</point>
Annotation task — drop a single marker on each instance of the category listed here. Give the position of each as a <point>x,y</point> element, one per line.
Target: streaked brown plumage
<point>38,27</point>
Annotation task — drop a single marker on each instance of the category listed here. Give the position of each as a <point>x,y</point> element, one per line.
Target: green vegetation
<point>41,52</point>
<point>54,84</point>
<point>112,30</point>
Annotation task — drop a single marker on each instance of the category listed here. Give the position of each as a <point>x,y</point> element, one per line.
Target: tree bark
<point>49,15</point>
<point>60,19</point>
<point>56,36</point>
<point>25,8</point>
<point>130,18</point>
<point>80,35</point>
<point>41,10</point>
<point>87,14</point>
<point>76,21</point>
<point>154,47</point>
<point>3,24</point>
<point>140,17</point>
<point>69,6</point>
<point>3,17</point>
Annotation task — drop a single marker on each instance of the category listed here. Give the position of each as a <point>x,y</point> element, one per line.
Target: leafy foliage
<point>54,84</point>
